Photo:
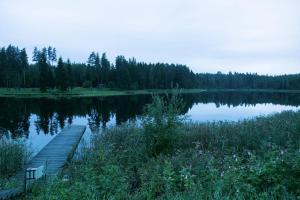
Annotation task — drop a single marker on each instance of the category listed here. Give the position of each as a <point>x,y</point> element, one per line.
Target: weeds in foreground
<point>250,159</point>
<point>161,125</point>
<point>13,155</point>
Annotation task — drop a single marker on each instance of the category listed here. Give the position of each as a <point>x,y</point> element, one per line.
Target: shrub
<point>161,124</point>
<point>13,155</point>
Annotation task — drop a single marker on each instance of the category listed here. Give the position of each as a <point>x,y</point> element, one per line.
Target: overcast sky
<point>213,35</point>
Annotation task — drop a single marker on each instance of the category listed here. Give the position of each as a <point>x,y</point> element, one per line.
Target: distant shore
<point>95,92</point>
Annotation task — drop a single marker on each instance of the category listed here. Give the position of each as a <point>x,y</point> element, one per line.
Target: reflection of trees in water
<point>54,114</point>
<point>14,118</point>
<point>233,99</point>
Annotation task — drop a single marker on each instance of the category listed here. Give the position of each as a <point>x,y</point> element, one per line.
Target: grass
<point>94,92</point>
<point>80,92</point>
<point>13,155</point>
<point>250,159</point>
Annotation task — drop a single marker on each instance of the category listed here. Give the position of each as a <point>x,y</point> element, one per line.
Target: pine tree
<point>35,55</point>
<point>92,59</point>
<point>2,66</point>
<point>44,72</point>
<point>70,75</point>
<point>53,57</point>
<point>50,78</point>
<point>49,55</point>
<point>24,64</point>
<point>122,73</point>
<point>98,69</point>
<point>105,69</point>
<point>61,76</point>
<point>51,52</point>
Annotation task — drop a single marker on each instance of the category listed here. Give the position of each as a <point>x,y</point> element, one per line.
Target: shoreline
<point>93,92</point>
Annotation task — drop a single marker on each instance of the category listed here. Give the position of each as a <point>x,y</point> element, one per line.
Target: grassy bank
<point>93,92</point>
<point>81,92</point>
<point>13,155</point>
<point>167,158</point>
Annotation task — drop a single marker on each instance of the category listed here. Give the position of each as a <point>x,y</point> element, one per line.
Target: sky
<point>260,36</point>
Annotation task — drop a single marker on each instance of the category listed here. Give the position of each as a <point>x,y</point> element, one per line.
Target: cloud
<point>217,35</point>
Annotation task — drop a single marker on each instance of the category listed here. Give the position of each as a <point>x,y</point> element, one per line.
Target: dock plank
<point>54,156</point>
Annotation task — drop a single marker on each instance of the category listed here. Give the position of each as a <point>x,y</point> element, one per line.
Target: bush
<point>13,155</point>
<point>161,124</point>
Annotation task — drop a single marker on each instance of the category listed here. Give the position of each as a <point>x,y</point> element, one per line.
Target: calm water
<point>39,120</point>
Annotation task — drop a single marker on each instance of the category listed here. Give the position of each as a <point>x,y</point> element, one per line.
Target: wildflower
<point>65,178</point>
<point>200,152</point>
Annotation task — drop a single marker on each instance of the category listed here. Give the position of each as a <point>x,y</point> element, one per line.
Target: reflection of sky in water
<point>37,141</point>
<point>210,112</point>
<point>199,112</point>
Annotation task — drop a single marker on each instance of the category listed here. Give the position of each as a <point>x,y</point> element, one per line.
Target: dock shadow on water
<point>39,120</point>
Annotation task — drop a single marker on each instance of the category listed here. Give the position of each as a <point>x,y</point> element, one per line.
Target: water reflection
<point>212,112</point>
<point>19,117</point>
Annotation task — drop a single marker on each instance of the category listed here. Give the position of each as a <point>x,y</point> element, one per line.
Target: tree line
<point>48,72</point>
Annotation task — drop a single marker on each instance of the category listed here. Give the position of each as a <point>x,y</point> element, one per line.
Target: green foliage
<point>251,159</point>
<point>126,74</point>
<point>70,75</point>
<point>8,183</point>
<point>61,76</point>
<point>186,177</point>
<point>87,84</point>
<point>162,125</point>
<point>44,71</point>
<point>13,155</point>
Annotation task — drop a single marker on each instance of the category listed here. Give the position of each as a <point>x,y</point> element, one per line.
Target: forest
<point>46,71</point>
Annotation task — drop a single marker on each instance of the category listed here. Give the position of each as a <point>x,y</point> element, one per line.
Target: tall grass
<point>13,155</point>
<point>250,159</point>
<point>161,125</point>
<point>259,134</point>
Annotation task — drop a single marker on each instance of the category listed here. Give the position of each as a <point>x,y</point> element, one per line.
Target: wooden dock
<point>53,157</point>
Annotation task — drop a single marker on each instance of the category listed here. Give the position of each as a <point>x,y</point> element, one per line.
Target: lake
<point>39,120</point>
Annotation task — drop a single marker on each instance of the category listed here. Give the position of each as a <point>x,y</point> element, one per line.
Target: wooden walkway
<point>53,156</point>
